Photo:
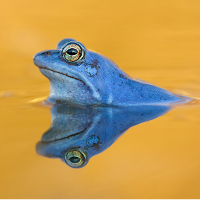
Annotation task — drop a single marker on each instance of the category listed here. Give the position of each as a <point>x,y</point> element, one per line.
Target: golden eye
<point>72,52</point>
<point>75,158</point>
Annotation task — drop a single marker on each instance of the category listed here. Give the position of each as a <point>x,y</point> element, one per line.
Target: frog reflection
<point>77,134</point>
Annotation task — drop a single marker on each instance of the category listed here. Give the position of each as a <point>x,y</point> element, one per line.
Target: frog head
<point>76,74</point>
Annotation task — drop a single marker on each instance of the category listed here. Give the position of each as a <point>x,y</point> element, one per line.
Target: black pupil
<point>74,159</point>
<point>72,52</point>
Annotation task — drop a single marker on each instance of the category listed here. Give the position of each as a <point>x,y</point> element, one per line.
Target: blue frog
<point>82,77</point>
<point>78,133</point>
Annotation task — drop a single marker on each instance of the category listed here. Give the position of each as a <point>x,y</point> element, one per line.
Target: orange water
<point>157,41</point>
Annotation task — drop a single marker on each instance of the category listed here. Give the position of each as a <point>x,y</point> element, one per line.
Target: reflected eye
<point>72,52</point>
<point>75,158</point>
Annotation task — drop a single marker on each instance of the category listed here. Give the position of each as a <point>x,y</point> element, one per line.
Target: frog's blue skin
<point>91,130</point>
<point>95,80</point>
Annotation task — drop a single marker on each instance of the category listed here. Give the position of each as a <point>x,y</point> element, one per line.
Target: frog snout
<point>35,59</point>
<point>40,57</point>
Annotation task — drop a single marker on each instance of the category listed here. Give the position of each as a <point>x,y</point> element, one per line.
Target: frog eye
<point>72,52</point>
<point>75,158</point>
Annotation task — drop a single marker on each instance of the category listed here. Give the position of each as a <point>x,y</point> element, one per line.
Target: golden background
<point>157,41</point>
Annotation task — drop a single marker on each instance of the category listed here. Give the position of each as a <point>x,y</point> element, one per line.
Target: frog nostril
<point>47,53</point>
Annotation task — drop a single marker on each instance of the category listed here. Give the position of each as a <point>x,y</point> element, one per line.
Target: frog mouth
<point>53,139</point>
<point>62,74</point>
